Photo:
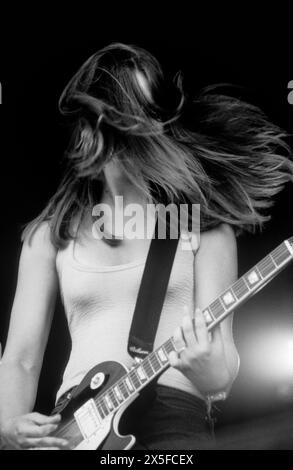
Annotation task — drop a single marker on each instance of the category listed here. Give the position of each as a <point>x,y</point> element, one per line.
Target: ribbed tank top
<point>99,303</point>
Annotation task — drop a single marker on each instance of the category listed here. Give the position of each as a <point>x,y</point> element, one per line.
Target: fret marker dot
<point>141,373</point>
<point>253,277</point>
<point>228,298</point>
<point>162,356</point>
<point>129,384</point>
<point>118,393</point>
<point>109,403</point>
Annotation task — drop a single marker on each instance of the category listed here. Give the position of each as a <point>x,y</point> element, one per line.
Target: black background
<point>39,54</point>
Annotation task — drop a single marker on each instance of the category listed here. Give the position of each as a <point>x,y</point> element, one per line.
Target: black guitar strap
<point>149,301</point>
<point>151,294</point>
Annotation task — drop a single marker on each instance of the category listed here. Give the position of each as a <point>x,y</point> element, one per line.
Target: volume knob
<point>97,380</point>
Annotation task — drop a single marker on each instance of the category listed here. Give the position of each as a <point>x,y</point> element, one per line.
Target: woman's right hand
<point>32,431</point>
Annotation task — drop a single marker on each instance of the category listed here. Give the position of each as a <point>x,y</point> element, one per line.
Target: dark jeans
<point>173,419</point>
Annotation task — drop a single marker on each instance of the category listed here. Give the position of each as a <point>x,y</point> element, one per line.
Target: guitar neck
<point>239,292</point>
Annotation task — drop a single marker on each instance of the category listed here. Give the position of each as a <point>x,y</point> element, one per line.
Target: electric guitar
<point>92,414</point>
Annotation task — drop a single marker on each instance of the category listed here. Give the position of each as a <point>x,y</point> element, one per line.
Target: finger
<point>47,429</point>
<point>46,442</point>
<point>43,419</point>
<point>174,359</point>
<point>188,332</point>
<point>216,336</point>
<point>201,330</point>
<point>33,430</point>
<point>178,339</point>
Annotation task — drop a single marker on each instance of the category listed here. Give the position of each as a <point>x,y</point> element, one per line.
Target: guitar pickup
<point>88,419</point>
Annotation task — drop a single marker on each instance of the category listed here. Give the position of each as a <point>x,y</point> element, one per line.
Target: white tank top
<point>99,303</point>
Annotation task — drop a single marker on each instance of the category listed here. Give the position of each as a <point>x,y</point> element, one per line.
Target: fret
<point>162,356</point>
<point>147,367</point>
<point>216,308</point>
<point>122,386</point>
<point>252,277</point>
<point>258,271</point>
<point>113,398</point>
<point>279,249</point>
<point>134,378</point>
<point>281,255</point>
<point>118,394</point>
<point>109,402</point>
<point>100,411</point>
<point>228,298</point>
<point>270,256</point>
<point>240,288</point>
<point>155,362</point>
<point>169,346</point>
<point>104,407</point>
<point>141,374</point>
<point>129,384</point>
<point>266,266</point>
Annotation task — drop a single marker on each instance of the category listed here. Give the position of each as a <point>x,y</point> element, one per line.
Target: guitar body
<point>78,431</point>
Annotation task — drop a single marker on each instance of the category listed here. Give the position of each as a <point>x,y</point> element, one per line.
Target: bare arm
<point>216,268</point>
<point>211,365</point>
<point>29,328</point>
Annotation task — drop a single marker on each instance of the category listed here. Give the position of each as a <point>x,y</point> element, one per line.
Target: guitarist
<point>138,136</point>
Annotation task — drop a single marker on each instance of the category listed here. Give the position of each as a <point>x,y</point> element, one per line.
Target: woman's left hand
<point>202,358</point>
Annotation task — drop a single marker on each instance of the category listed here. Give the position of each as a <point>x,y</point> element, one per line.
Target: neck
<point>117,183</point>
<point>119,192</point>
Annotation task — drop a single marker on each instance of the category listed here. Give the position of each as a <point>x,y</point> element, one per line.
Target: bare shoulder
<point>217,254</point>
<point>216,263</point>
<point>220,239</point>
<point>38,243</point>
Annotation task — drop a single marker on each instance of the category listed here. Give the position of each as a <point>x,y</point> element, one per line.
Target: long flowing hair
<point>214,150</point>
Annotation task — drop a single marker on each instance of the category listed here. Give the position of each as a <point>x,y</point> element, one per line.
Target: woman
<point>140,137</point>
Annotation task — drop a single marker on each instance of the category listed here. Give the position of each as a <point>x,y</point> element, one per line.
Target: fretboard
<point>157,361</point>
